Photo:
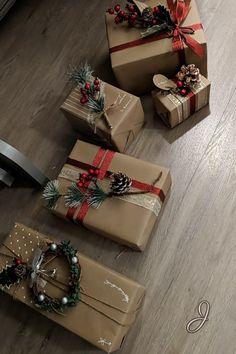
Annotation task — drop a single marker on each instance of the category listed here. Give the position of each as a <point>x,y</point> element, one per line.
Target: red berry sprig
<point>132,15</point>
<point>86,177</point>
<point>183,91</point>
<point>89,90</point>
<point>18,261</point>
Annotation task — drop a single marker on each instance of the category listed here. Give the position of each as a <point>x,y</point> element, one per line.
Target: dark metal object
<point>6,178</point>
<point>14,163</point>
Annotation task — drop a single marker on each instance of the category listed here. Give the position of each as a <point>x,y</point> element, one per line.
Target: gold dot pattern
<point>23,243</point>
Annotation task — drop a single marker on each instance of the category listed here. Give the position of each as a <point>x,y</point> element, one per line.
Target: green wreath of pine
<point>41,300</point>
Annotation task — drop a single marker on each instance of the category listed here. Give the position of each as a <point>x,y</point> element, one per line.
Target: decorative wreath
<point>35,272</point>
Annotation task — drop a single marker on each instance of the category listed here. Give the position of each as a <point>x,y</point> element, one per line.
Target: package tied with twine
<point>102,113</point>
<point>124,201</point>
<point>139,53</point>
<point>175,104</point>
<point>108,302</point>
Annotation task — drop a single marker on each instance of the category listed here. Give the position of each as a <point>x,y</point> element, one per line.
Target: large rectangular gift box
<point>127,219</point>
<point>125,113</point>
<point>135,59</point>
<point>174,109</point>
<point>108,303</point>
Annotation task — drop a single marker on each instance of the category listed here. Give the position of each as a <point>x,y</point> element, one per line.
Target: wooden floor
<point>192,255</point>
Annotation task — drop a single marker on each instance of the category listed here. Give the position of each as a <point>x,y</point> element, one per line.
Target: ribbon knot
<point>103,114</point>
<point>179,10</point>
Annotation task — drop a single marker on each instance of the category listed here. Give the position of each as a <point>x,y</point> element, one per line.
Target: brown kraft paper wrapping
<point>109,301</point>
<point>117,219</point>
<point>134,67</point>
<point>126,117</point>
<point>173,109</point>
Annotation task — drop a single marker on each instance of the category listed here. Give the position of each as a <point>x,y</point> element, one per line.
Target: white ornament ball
<point>74,260</point>
<point>53,247</point>
<point>41,298</point>
<point>64,300</point>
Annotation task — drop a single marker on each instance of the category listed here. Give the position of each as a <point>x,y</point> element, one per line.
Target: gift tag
<point>163,83</point>
<point>140,5</point>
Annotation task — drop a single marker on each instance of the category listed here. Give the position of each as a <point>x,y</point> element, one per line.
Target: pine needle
<point>74,197</point>
<point>81,75</point>
<point>51,193</point>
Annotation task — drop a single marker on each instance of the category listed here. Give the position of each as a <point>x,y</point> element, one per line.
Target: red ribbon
<point>102,160</point>
<point>179,10</point>
<point>192,100</point>
<point>84,207</point>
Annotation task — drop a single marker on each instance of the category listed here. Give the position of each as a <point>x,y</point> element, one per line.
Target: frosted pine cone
<point>147,16</point>
<point>120,183</point>
<point>190,75</point>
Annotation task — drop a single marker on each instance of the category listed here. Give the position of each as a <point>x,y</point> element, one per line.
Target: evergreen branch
<point>96,196</point>
<point>97,105</point>
<point>155,30</point>
<point>164,15</point>
<point>74,196</point>
<point>81,75</point>
<point>51,193</point>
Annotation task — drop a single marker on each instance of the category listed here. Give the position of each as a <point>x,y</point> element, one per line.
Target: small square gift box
<point>97,304</point>
<point>111,194</point>
<point>177,99</point>
<point>153,37</point>
<point>101,112</point>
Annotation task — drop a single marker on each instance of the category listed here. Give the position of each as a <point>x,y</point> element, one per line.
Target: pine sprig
<point>96,196</point>
<point>81,75</point>
<point>164,16</point>
<point>8,276</point>
<point>96,105</point>
<point>154,30</point>
<point>51,193</point>
<point>92,89</point>
<point>74,196</point>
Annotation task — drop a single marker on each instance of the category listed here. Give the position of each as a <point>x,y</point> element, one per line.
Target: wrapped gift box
<point>126,117</point>
<point>108,303</point>
<point>135,60</point>
<point>126,219</point>
<point>173,109</point>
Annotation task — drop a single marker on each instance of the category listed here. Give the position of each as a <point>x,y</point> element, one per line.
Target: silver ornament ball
<point>64,300</point>
<point>53,247</point>
<point>74,260</point>
<point>41,298</point>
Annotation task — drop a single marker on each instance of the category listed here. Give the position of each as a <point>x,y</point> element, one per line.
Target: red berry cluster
<point>86,177</point>
<point>89,90</point>
<point>132,15</point>
<point>18,261</point>
<point>182,90</point>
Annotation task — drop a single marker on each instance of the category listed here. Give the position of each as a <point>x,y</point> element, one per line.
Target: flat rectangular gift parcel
<point>125,114</point>
<point>135,59</point>
<point>128,218</point>
<point>108,302</point>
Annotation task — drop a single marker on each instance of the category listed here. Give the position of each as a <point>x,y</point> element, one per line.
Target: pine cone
<point>20,270</point>
<point>120,183</point>
<point>147,16</point>
<point>190,75</point>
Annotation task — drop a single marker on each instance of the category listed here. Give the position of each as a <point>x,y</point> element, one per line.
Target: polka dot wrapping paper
<point>109,301</point>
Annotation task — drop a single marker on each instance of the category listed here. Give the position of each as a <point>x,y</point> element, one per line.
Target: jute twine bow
<point>104,114</point>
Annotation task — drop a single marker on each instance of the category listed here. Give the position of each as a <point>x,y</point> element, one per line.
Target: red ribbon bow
<point>179,10</point>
